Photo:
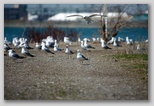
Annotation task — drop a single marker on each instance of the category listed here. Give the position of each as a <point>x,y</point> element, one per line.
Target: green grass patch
<point>132,56</point>
<point>138,64</point>
<point>141,66</point>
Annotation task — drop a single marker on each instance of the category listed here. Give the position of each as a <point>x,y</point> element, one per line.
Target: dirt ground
<point>57,77</point>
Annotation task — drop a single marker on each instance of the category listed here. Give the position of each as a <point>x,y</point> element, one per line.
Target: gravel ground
<point>55,76</point>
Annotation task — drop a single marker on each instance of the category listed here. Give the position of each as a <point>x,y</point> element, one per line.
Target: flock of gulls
<point>49,42</point>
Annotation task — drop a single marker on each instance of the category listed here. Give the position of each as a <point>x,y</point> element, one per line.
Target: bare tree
<point>115,23</point>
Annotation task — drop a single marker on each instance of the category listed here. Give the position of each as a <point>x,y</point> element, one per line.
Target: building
<point>15,12</point>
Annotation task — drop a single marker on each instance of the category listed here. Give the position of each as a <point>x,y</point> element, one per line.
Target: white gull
<point>68,51</point>
<point>26,52</point>
<point>14,55</point>
<point>81,57</point>
<point>44,48</point>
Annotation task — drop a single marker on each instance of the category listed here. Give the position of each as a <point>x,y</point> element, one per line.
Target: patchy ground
<point>55,76</point>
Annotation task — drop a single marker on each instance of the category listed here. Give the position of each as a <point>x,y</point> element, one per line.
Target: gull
<point>138,47</point>
<point>120,39</point>
<point>67,40</point>
<point>83,47</point>
<point>115,44</point>
<point>87,18</point>
<point>103,44</point>
<point>86,39</point>
<point>98,39</point>
<point>81,57</point>
<point>56,44</point>
<point>111,41</point>
<point>6,47</point>
<point>94,39</point>
<point>44,48</point>
<point>25,42</point>
<point>37,46</point>
<point>15,42</point>
<point>49,44</point>
<point>68,51</point>
<point>49,41</point>
<point>87,45</point>
<point>6,41</point>
<point>129,42</point>
<point>26,45</point>
<point>79,40</point>
<point>57,48</point>
<point>14,55</point>
<point>25,52</point>
<point>146,40</point>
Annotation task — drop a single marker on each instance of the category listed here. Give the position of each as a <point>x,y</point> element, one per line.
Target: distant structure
<point>63,16</point>
<point>15,12</point>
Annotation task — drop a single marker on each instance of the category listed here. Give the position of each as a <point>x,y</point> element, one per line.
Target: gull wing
<point>71,52</point>
<point>94,15</point>
<point>75,15</point>
<point>84,57</point>
<point>16,55</point>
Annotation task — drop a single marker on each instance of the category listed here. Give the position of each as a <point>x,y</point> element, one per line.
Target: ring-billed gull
<point>44,48</point>
<point>68,51</point>
<point>83,47</point>
<point>14,55</point>
<point>26,52</point>
<point>88,45</point>
<point>103,44</point>
<point>80,56</point>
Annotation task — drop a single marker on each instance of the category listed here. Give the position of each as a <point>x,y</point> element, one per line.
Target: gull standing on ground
<point>57,48</point>
<point>25,52</point>
<point>81,57</point>
<point>138,47</point>
<point>129,42</point>
<point>14,55</point>
<point>83,47</point>
<point>87,18</point>
<point>68,51</point>
<point>44,48</point>
<point>37,46</point>
<point>6,47</point>
<point>103,44</point>
<point>88,45</point>
<point>56,44</point>
<point>115,44</point>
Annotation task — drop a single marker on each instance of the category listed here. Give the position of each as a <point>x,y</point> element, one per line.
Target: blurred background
<point>19,17</point>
